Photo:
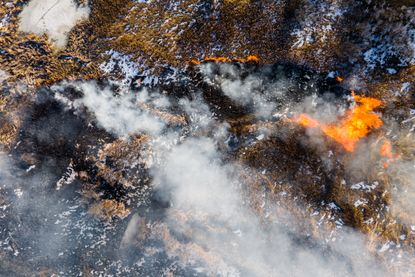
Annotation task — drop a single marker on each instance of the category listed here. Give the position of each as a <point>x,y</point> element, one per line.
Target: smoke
<point>208,209</point>
<point>400,171</point>
<point>3,76</point>
<point>54,18</point>
<point>195,160</point>
<point>29,205</point>
<point>123,114</point>
<point>43,225</point>
<point>6,175</point>
<point>215,219</point>
<point>210,222</point>
<point>259,92</point>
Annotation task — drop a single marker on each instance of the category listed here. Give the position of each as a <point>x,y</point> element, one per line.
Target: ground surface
<point>128,152</point>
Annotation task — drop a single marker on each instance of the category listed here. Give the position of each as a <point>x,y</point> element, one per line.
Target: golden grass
<point>108,209</point>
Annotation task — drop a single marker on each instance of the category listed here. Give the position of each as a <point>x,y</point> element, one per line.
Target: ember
<point>355,125</point>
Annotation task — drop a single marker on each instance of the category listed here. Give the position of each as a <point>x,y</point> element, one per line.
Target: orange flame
<point>249,59</point>
<point>387,152</point>
<point>196,62</point>
<point>307,121</point>
<point>339,79</point>
<point>355,125</point>
<point>252,58</point>
<point>217,59</point>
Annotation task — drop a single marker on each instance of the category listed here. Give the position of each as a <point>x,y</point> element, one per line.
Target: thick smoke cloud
<point>191,173</point>
<point>54,18</point>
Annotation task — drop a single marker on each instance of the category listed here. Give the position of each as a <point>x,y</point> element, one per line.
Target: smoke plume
<point>55,18</point>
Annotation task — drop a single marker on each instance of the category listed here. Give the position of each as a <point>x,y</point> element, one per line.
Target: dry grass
<point>34,60</point>
<point>120,153</point>
<point>108,209</point>
<point>156,35</point>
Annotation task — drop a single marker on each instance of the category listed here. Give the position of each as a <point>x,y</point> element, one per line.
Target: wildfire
<point>355,125</point>
<point>249,59</point>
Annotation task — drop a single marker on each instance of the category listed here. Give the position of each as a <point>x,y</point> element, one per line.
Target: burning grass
<point>352,127</point>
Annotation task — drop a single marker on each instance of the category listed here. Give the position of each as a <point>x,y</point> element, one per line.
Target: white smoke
<point>3,76</point>
<point>209,209</point>
<point>6,171</point>
<point>122,114</point>
<point>55,18</point>
<point>209,206</point>
<point>200,183</point>
<point>248,91</point>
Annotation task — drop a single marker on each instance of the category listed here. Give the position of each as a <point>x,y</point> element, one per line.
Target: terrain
<point>207,138</point>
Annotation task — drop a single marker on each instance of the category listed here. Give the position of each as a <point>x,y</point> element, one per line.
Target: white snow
<point>260,137</point>
<point>30,168</point>
<point>129,69</point>
<point>360,202</point>
<point>18,192</point>
<point>385,247</point>
<point>67,178</point>
<point>365,187</point>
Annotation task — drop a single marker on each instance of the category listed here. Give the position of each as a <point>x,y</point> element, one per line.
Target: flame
<point>249,59</point>
<point>217,59</point>
<point>307,121</point>
<point>339,79</point>
<point>252,58</point>
<point>355,125</point>
<point>387,152</point>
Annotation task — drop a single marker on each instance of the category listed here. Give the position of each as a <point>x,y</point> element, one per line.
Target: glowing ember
<point>355,125</point>
<point>249,59</point>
